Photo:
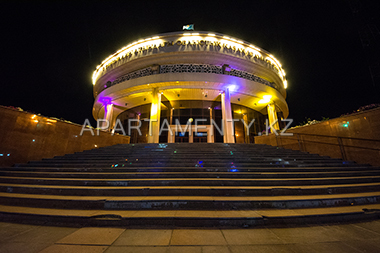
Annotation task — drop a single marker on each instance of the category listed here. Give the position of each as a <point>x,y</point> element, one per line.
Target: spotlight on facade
<point>232,87</point>
<point>266,99</point>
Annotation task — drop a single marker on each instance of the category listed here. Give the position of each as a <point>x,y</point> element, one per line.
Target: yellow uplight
<point>154,110</point>
<point>254,52</point>
<point>154,41</point>
<point>276,62</point>
<point>272,57</point>
<point>230,42</point>
<point>213,39</point>
<point>258,49</point>
<point>285,84</point>
<point>266,99</point>
<point>190,37</point>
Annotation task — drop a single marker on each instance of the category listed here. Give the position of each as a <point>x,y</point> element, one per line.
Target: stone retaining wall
<point>25,136</point>
<point>353,137</point>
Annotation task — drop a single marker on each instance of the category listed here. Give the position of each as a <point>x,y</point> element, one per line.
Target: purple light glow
<point>105,101</point>
<point>232,87</point>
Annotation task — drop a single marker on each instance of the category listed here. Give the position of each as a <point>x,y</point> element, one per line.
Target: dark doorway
<point>181,137</point>
<point>200,137</point>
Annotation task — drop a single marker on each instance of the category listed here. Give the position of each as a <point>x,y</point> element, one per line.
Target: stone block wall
<point>353,137</point>
<point>25,136</point>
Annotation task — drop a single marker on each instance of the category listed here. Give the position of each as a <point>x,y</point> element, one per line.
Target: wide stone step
<point>184,156</point>
<point>192,155</point>
<point>189,218</point>
<point>174,164</point>
<point>209,162</point>
<point>188,202</point>
<point>189,190</point>
<point>275,182</point>
<point>192,152</point>
<point>141,175</point>
<point>121,169</point>
<point>188,156</point>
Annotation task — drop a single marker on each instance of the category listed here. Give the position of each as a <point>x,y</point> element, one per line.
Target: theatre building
<point>229,88</point>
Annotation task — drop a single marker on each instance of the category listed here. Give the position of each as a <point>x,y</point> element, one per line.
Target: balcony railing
<point>189,68</point>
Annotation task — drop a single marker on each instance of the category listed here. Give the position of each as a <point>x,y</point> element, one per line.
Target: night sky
<point>49,49</point>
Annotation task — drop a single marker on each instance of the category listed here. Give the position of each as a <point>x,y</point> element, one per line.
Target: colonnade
<point>228,129</point>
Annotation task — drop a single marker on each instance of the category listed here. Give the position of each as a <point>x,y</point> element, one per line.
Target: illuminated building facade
<point>226,86</point>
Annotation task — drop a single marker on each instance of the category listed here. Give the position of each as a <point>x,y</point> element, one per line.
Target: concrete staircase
<point>189,185</point>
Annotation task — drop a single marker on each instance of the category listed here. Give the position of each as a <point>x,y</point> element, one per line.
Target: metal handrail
<point>332,136</point>
<point>339,143</point>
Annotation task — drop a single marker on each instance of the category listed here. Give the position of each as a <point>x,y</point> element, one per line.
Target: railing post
<point>299,142</point>
<point>276,140</point>
<point>341,146</point>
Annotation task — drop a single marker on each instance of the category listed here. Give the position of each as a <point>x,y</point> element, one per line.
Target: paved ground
<point>357,237</point>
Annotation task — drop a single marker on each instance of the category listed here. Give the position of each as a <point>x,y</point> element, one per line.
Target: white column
<point>108,117</point>
<point>135,135</point>
<point>191,135</point>
<point>171,137</point>
<point>210,138</point>
<point>171,116</point>
<point>228,131</point>
<point>272,116</point>
<point>154,123</point>
<point>246,136</point>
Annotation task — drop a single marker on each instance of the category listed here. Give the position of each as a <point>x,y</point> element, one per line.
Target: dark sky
<point>49,49</point>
